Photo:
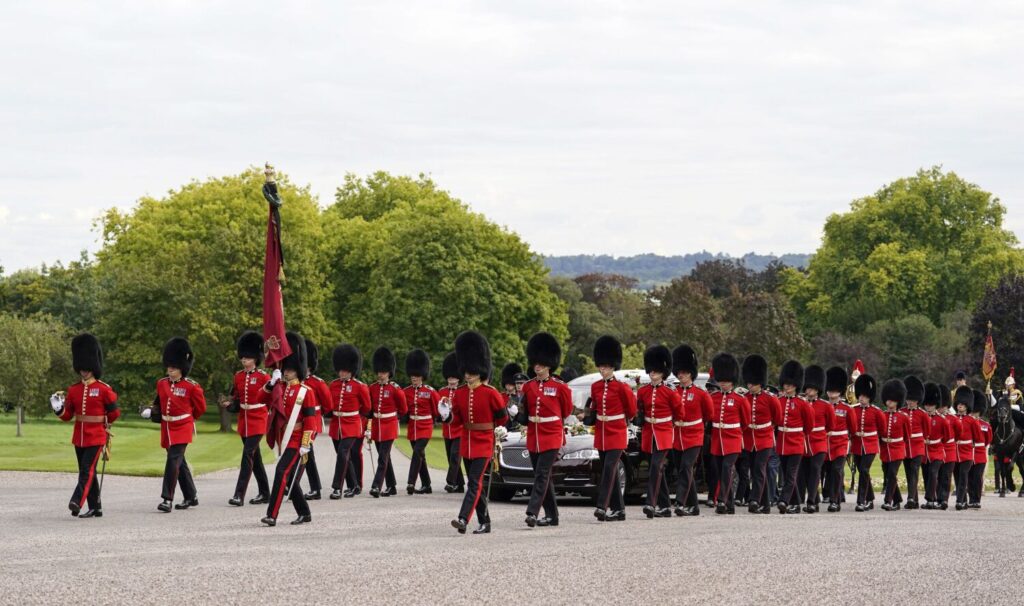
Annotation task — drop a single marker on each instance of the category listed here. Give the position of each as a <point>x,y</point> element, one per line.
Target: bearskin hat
<point>980,402</point>
<point>473,354</point>
<point>296,360</point>
<point>814,378</point>
<point>417,364</point>
<point>684,359</point>
<point>964,395</point>
<point>178,354</point>
<point>836,379</point>
<point>755,370</point>
<point>450,366</point>
<point>725,368</point>
<point>792,373</point>
<point>384,361</point>
<point>894,390</point>
<point>509,372</point>
<point>865,386</point>
<point>347,357</point>
<point>608,352</point>
<point>250,345</point>
<point>932,395</point>
<point>915,389</point>
<point>960,376</point>
<point>945,397</point>
<point>86,354</point>
<point>543,349</point>
<point>312,356</point>
<point>658,358</point>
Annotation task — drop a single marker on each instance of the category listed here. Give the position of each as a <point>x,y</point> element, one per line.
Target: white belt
<point>725,425</point>
<point>892,440</point>
<point>950,441</point>
<point>177,418</point>
<point>345,413</point>
<point>979,444</point>
<point>606,418</point>
<point>861,434</point>
<point>658,419</point>
<point>837,433</point>
<point>544,419</point>
<point>386,415</point>
<point>761,425</point>
<point>421,418</point>
<point>965,442</point>
<point>917,435</point>
<point>687,423</point>
<point>251,406</point>
<point>790,429</point>
<point>932,442</point>
<point>817,429</point>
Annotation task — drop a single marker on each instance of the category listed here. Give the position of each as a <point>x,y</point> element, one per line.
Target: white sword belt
<point>725,425</point>
<point>760,425</point>
<point>892,440</point>
<point>176,418</point>
<point>687,423</point>
<point>655,420</point>
<point>965,442</point>
<point>932,442</point>
<point>421,418</point>
<point>979,444</point>
<point>838,433</point>
<point>251,406</point>
<point>345,413</point>
<point>544,419</point>
<point>817,429</point>
<point>790,429</point>
<point>386,415</point>
<point>606,418</point>
<point>917,435</point>
<point>868,434</point>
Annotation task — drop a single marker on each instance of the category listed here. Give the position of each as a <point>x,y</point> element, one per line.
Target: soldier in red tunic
<point>323,395</point>
<point>844,427</point>
<point>303,421</point>
<point>870,421</point>
<point>659,407</point>
<point>894,437</point>
<point>759,435</point>
<point>976,484</point>
<point>249,400</point>
<point>688,432</point>
<point>968,433</point>
<point>93,406</point>
<point>915,448</point>
<point>730,413</point>
<point>794,433</point>
<point>948,469</point>
<point>452,430</point>
<point>387,402</point>
<point>935,431</point>
<point>348,405</point>
<point>610,408</point>
<point>421,400</point>
<point>178,404</point>
<point>478,408</point>
<point>547,401</point>
<point>824,421</point>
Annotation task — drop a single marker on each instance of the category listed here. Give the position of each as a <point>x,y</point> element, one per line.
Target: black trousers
<point>176,472</point>
<point>341,465</point>
<point>743,464</point>
<point>608,494</point>
<point>711,469</point>
<point>354,474</point>
<point>542,494</point>
<point>252,466</point>
<point>726,471</point>
<point>931,481</point>
<point>790,468</point>
<point>759,476</point>
<point>912,469</point>
<point>963,472</point>
<point>656,497</point>
<point>685,462</point>
<point>476,498</point>
<point>287,478</point>
<point>385,472</point>
<point>891,470</point>
<point>454,477</point>
<point>812,477</point>
<point>976,483</point>
<point>946,473</point>
<point>836,480</point>
<point>865,492</point>
<point>311,471</point>
<point>88,488</point>
<point>418,464</point>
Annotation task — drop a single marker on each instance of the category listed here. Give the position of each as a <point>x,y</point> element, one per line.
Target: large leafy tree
<point>1003,306</point>
<point>685,312</point>
<point>763,323</point>
<point>35,361</point>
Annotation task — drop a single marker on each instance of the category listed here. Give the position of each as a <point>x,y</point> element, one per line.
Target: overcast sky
<point>586,127</point>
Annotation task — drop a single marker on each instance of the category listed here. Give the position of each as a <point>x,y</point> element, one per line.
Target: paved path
<point>402,550</point>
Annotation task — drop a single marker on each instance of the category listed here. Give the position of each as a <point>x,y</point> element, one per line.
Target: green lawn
<point>45,445</point>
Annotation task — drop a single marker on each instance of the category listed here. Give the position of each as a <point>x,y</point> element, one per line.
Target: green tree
<point>685,312</point>
<point>586,322</point>
<point>1003,305</point>
<point>763,323</point>
<point>68,293</point>
<point>35,361</point>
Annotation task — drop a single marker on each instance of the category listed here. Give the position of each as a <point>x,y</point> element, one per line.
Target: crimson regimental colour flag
<point>275,343</point>
<point>988,362</point>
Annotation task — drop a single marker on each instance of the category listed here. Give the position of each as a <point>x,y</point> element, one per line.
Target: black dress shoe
<point>896,506</point>
<point>663,512</point>
<point>753,508</point>
<point>720,509</point>
<point>960,507</point>
<point>833,507</point>
<point>765,510</point>
<point>943,506</point>
<point>810,509</point>
<point>616,516</point>
<point>260,499</point>
<point>351,492</point>
<point>425,490</point>
<point>870,505</point>
<point>730,510</point>
<point>680,511</point>
<point>483,529</point>
<point>449,488</point>
<point>269,521</point>
<point>187,503</point>
<point>306,519</point>
<point>649,511</point>
<point>459,525</point>
<point>312,495</point>
<point>375,492</point>
<point>974,505</point>
<point>600,514</point>
<point>531,520</point>
<point>410,489</point>
<point>911,504</point>
<point>236,501</point>
<point>691,511</point>
<point>460,489</point>
<point>92,513</point>
<point>165,506</point>
<point>860,507</point>
<point>335,495</point>
<point>390,492</point>
<point>928,505</point>
<point>886,506</point>
<point>783,508</point>
<point>546,521</point>
<point>793,509</point>
<point>74,508</point>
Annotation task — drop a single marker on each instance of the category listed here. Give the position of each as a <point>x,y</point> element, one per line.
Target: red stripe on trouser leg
<point>283,487</point>
<point>92,475</point>
<point>479,490</point>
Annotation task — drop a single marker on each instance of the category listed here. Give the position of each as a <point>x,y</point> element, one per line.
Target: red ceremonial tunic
<point>795,429</point>
<point>453,429</point>
<point>981,448</point>
<point>918,419</point>
<point>252,402</point>
<point>824,422</point>
<point>93,407</point>
<point>477,411</point>
<point>894,437</point>
<point>689,429</point>
<point>548,403</point>
<point>730,412</point>
<point>936,433</point>
<point>323,394</point>
<point>661,406</point>
<point>844,426</point>
<point>615,405</point>
<point>348,405</point>
<point>952,448</point>
<point>299,394</point>
<point>387,401</point>
<point>970,435</point>
<point>765,416</point>
<point>179,404</point>
<point>422,403</point>
<point>870,421</point>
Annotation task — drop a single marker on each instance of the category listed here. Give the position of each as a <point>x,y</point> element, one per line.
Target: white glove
<point>500,433</point>
<point>303,451</point>
<point>367,435</point>
<point>275,377</point>
<point>147,413</point>
<point>513,410</point>
<point>57,402</point>
<point>444,409</point>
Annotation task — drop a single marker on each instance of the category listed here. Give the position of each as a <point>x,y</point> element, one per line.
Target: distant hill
<point>652,270</point>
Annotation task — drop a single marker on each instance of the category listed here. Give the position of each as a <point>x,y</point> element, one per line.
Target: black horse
<point>1007,440</point>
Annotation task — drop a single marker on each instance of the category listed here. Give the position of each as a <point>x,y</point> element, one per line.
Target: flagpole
<point>276,346</point>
